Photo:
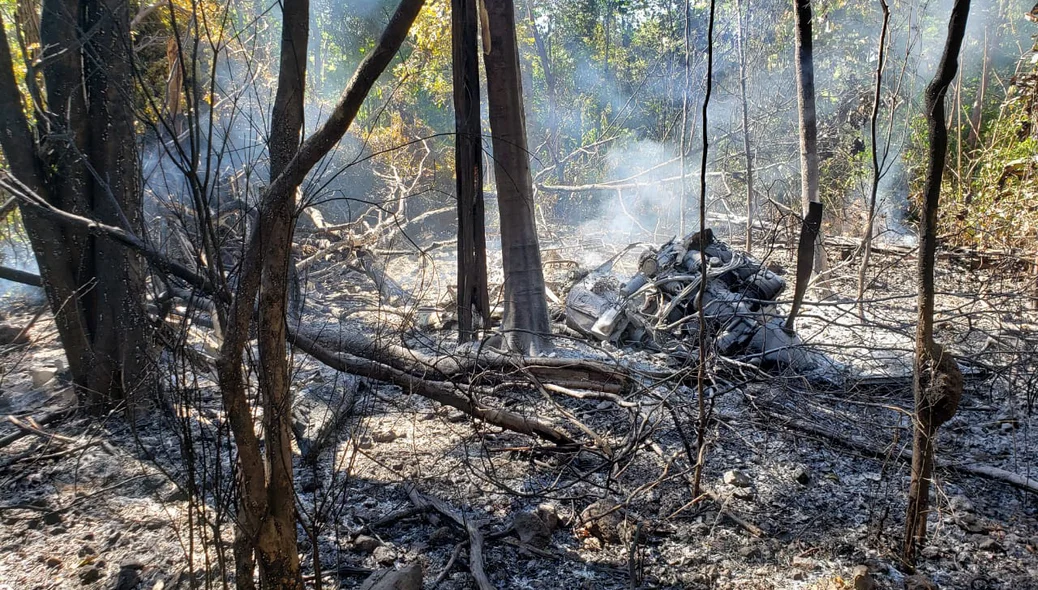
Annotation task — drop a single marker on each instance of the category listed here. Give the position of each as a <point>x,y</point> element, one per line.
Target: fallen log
<point>20,276</point>
<point>439,391</point>
<point>478,365</point>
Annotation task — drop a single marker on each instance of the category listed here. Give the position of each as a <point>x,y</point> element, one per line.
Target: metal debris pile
<point>657,308</point>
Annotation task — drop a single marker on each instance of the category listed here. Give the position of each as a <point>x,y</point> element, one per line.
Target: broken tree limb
<point>438,391</point>
<point>472,367</point>
<point>1029,484</point>
<point>20,276</point>
<point>43,421</point>
<point>475,536</point>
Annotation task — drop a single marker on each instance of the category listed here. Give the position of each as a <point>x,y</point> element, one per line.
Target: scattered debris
<point>657,308</point>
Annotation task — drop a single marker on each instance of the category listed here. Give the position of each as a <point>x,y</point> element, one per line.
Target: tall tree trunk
<point>88,166</point>
<point>934,383</point>
<point>805,71</point>
<point>473,294</point>
<point>747,152</point>
<point>276,548</point>
<point>525,327</point>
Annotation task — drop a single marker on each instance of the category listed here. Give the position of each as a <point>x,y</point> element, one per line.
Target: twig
<point>475,536</point>
<point>43,421</point>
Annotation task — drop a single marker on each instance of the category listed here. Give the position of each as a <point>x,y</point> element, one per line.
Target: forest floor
<point>807,482</point>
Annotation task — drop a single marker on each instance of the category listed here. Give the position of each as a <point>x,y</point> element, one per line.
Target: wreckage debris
<point>657,308</point>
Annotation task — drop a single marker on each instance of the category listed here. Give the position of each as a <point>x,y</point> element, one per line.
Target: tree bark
<point>805,72</point>
<point>525,327</point>
<point>936,398</point>
<point>85,165</point>
<point>473,293</point>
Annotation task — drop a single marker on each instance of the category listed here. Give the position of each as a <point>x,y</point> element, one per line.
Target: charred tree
<point>805,72</point>
<point>937,382</point>
<point>870,223</point>
<point>526,327</point>
<point>81,158</point>
<point>473,294</point>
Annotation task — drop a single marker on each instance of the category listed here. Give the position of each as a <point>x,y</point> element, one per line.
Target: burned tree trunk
<point>805,71</point>
<point>937,382</point>
<point>526,326</point>
<point>747,152</point>
<point>473,294</point>
<point>82,159</point>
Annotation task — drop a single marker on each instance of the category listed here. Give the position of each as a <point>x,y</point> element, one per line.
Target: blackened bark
<point>473,294</point>
<point>84,164</point>
<point>805,71</point>
<point>526,327</point>
<point>935,374</point>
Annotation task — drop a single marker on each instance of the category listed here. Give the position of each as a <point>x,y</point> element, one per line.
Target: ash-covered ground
<point>805,481</point>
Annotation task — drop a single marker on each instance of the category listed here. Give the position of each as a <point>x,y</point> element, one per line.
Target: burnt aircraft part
<point>657,308</point>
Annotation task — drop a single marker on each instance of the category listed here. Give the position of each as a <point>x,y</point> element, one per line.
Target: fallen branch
<point>438,391</point>
<point>43,421</point>
<point>476,565</point>
<point>855,443</point>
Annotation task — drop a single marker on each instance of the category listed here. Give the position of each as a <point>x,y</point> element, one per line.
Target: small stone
<point>385,436</point>
<point>129,578</point>
<point>406,578</point>
<point>384,555</point>
<point>805,563</point>
<point>457,417</point>
<point>90,574</point>
<point>602,520</point>
<point>801,475</point>
<point>531,529</point>
<point>58,530</point>
<point>366,544</point>
<point>549,513</point>
<point>988,544</point>
<point>178,494</point>
<point>87,550</point>
<point>365,442</point>
<point>743,493</point>
<point>960,503</point>
<point>863,580</point>
<point>798,575</point>
<point>603,406</point>
<point>734,477</point>
<point>52,518</point>
<point>53,561</point>
<point>749,552</point>
<point>919,582</point>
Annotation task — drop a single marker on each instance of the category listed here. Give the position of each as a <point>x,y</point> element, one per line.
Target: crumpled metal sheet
<point>658,307</point>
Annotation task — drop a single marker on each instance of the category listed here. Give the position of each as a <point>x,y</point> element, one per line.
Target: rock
<point>384,555</point>
<point>90,574</point>
<point>52,518</point>
<point>602,520</point>
<point>385,436</point>
<point>366,544</point>
<point>862,579</point>
<point>919,582</point>
<point>734,477</point>
<point>743,493</point>
<point>988,544</point>
<point>801,475</point>
<point>549,513</point>
<point>12,335</point>
<point>53,561</point>
<point>406,578</point>
<point>457,417</point>
<point>129,577</point>
<point>87,550</point>
<point>805,563</point>
<point>960,503</point>
<point>42,376</point>
<point>531,529</point>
